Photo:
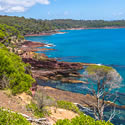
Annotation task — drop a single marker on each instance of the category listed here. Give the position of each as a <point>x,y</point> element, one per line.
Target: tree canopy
<point>33,26</point>
<point>13,72</point>
<point>7,32</point>
<point>107,76</point>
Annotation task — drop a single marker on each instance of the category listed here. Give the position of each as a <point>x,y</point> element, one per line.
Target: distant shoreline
<point>57,31</point>
<point>107,27</point>
<point>46,34</point>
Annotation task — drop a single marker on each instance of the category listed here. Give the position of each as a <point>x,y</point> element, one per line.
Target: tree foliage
<point>7,32</point>
<point>14,70</point>
<point>104,76</point>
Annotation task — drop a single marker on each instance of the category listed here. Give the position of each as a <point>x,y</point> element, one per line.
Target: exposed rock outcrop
<point>49,68</point>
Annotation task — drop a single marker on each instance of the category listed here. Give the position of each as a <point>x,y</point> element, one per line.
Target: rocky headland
<point>45,68</point>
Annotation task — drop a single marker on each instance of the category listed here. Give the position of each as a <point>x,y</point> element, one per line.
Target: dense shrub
<point>68,105</point>
<point>9,118</point>
<point>12,72</point>
<point>82,120</point>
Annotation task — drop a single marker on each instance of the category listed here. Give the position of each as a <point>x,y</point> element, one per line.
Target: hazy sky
<point>61,9</point>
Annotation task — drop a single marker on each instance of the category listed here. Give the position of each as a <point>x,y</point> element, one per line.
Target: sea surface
<point>101,46</point>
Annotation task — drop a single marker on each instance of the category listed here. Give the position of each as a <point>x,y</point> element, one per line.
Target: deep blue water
<point>103,46</point>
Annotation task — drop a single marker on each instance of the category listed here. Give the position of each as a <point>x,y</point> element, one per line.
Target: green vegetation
<point>95,68</point>
<point>9,118</point>
<point>29,92</point>
<point>68,105</point>
<point>27,26</point>
<point>7,33</point>
<point>36,111</point>
<point>31,26</point>
<point>82,120</point>
<point>13,72</point>
<point>69,23</point>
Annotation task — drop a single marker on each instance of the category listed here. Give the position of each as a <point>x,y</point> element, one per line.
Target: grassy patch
<point>68,105</point>
<point>36,111</point>
<point>82,120</point>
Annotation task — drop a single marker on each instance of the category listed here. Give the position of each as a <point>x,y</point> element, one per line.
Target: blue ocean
<point>101,46</point>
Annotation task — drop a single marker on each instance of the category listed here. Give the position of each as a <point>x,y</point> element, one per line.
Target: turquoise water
<point>102,46</point>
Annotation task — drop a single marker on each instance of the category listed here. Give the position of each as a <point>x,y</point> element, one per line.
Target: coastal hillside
<point>36,26</point>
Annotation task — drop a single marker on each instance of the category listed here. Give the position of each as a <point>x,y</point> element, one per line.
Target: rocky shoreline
<point>45,68</point>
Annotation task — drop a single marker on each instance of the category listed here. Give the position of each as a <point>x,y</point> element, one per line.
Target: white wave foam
<point>49,45</point>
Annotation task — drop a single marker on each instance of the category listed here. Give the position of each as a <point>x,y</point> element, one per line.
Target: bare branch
<point>103,80</point>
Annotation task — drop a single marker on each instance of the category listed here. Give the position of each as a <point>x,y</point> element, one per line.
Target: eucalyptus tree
<point>104,82</point>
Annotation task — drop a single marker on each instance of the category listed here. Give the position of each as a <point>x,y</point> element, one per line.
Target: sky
<point>65,9</point>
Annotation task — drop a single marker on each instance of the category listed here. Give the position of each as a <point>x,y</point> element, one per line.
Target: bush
<point>82,120</point>
<point>43,100</point>
<point>13,70</point>
<point>9,118</point>
<point>37,111</point>
<point>68,105</point>
<point>39,104</point>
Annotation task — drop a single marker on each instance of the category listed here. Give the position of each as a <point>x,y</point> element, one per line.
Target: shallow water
<point>102,46</point>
